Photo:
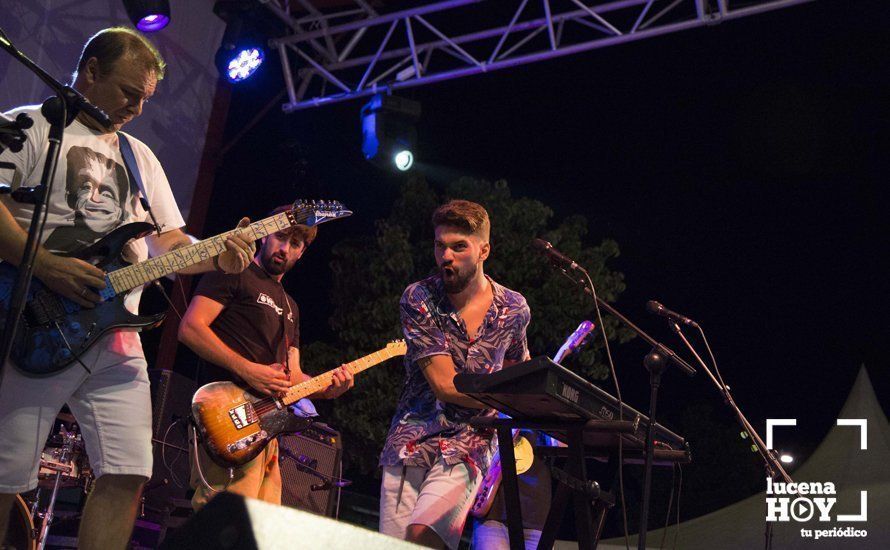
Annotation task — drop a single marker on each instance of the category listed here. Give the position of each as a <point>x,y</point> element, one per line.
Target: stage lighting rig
<point>389,137</point>
<point>241,53</point>
<point>148,15</point>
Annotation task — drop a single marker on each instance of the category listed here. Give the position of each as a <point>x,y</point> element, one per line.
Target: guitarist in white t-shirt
<point>107,389</point>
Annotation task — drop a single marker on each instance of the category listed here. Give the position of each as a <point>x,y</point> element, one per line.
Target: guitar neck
<point>176,260</point>
<point>322,381</point>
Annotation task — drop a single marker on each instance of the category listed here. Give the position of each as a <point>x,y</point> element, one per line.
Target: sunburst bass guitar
<point>54,331</point>
<point>235,423</point>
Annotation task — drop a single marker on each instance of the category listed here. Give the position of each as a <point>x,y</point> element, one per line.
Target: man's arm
<point>234,259</point>
<point>195,332</point>
<point>439,372</point>
<point>72,278</point>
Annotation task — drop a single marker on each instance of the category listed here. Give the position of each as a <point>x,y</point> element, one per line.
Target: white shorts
<point>112,407</point>
<point>493,535</point>
<point>439,498</point>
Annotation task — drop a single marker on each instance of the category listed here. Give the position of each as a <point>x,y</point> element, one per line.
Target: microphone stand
<point>771,464</point>
<point>656,362</point>
<point>60,111</point>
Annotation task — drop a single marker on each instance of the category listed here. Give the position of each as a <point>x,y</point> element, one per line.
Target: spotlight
<point>242,63</point>
<point>786,458</point>
<point>148,15</point>
<point>241,52</point>
<point>388,133</point>
<point>404,160</point>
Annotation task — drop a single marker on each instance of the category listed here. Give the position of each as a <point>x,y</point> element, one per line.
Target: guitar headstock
<point>396,347</point>
<point>317,212</point>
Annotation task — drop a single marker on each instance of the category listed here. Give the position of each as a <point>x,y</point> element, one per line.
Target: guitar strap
<point>135,177</point>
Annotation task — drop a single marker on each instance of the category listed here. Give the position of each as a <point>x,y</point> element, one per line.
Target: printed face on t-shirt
<point>97,191</point>
<point>97,199</point>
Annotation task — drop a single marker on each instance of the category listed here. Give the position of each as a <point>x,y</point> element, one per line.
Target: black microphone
<point>76,102</point>
<point>324,486</point>
<point>555,255</point>
<point>656,308</point>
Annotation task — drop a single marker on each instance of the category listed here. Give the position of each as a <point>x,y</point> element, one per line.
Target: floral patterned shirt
<point>424,428</point>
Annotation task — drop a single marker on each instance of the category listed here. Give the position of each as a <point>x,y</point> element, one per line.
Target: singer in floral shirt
<point>457,321</point>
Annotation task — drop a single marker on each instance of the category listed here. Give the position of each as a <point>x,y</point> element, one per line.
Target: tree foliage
<point>371,272</point>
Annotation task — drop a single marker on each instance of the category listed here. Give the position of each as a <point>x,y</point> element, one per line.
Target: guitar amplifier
<point>318,448</point>
<point>171,399</point>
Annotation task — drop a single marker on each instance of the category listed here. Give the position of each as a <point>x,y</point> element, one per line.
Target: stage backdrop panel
<point>174,122</point>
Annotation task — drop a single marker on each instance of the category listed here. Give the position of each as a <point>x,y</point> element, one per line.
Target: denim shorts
<point>112,405</point>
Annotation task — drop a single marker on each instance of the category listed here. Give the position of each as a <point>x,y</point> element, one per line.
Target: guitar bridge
<point>243,415</point>
<point>246,442</point>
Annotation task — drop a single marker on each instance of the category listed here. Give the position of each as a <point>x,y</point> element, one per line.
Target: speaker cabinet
<point>317,448</point>
<point>171,399</point>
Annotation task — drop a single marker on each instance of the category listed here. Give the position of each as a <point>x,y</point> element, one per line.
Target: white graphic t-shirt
<point>91,193</point>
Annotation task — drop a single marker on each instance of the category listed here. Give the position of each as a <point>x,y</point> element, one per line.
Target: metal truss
<point>354,51</point>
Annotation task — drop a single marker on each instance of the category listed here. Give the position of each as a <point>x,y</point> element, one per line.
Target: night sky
<point>741,169</point>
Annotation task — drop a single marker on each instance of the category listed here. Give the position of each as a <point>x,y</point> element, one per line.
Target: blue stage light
<point>245,62</point>
<point>389,137</point>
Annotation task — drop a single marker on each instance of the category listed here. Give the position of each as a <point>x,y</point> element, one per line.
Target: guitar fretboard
<point>322,381</point>
<point>176,260</point>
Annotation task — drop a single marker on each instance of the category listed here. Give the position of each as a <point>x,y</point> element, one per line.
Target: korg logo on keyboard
<point>570,393</point>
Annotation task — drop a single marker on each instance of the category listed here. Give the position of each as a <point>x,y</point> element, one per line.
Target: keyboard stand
<point>591,502</point>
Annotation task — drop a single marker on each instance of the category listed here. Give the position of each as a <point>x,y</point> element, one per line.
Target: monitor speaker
<point>231,521</point>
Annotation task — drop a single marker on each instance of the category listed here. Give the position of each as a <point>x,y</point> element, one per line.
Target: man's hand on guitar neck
<point>341,381</point>
<point>341,378</point>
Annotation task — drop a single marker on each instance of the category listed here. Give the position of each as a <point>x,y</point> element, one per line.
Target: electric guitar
<point>54,331</point>
<point>236,423</point>
<point>522,448</point>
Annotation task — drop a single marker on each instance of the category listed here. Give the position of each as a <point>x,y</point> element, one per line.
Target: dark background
<point>741,169</point>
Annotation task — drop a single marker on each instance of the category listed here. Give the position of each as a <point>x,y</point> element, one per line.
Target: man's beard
<point>457,281</point>
<point>275,268</point>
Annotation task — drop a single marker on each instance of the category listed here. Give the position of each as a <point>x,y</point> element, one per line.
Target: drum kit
<point>63,465</point>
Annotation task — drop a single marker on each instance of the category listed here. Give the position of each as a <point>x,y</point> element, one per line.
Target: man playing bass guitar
<point>247,326</point>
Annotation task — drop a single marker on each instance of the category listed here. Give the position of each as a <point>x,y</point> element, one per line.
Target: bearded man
<point>458,320</point>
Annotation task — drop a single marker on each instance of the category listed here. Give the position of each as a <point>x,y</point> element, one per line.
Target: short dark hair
<point>469,217</point>
<point>305,233</point>
<point>110,45</point>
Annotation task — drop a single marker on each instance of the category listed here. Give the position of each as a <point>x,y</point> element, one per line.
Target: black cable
<point>667,515</point>
<point>599,320</point>
<point>160,287</point>
<point>68,345</point>
<point>679,494</point>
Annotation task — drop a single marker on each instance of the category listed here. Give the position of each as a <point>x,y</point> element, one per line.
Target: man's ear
<point>485,250</point>
<point>91,70</point>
